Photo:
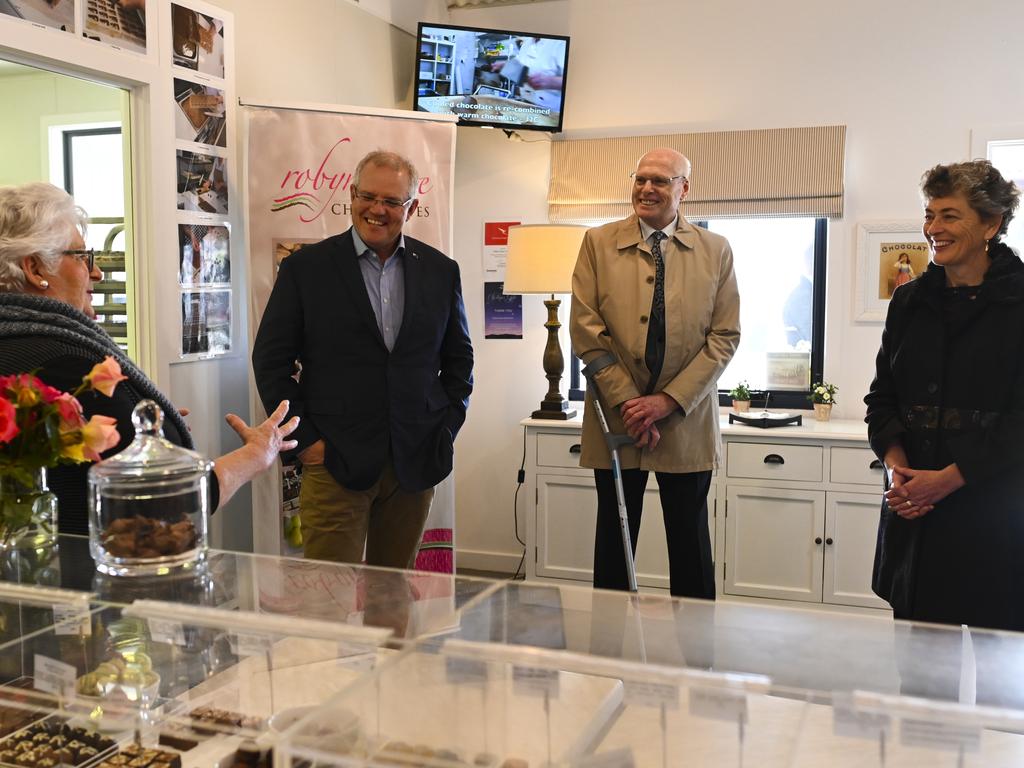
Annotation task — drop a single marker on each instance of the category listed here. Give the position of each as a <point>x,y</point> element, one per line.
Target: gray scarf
<point>23,315</point>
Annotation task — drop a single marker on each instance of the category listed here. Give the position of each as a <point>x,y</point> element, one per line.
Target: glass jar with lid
<point>149,505</point>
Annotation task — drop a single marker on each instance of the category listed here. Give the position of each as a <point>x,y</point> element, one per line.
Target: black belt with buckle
<point>921,417</point>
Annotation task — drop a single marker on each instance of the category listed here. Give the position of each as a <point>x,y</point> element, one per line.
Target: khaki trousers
<point>338,522</point>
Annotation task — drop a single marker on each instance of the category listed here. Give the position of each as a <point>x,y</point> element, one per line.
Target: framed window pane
<point>780,267</point>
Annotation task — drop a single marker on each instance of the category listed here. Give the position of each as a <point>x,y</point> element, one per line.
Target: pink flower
<point>50,394</point>
<point>70,411</point>
<point>8,423</point>
<point>99,435</point>
<point>104,376</point>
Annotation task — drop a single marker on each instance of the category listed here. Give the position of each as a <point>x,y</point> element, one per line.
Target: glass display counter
<point>256,660</point>
<point>515,707</point>
<point>185,684</point>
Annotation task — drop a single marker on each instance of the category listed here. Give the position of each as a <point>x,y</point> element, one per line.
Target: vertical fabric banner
<point>300,166</point>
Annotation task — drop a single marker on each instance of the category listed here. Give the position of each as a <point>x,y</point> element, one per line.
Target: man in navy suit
<point>376,321</point>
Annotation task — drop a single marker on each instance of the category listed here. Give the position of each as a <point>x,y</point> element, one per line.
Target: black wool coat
<point>953,392</point>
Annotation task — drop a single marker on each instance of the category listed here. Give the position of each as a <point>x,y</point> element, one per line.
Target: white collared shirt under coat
<point>612,289</point>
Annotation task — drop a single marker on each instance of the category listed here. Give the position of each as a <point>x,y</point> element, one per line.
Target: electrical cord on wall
<point>520,479</point>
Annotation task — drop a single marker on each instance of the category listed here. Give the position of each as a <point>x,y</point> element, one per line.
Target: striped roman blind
<point>776,172</point>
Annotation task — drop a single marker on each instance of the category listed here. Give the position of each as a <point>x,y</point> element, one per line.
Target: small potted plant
<point>740,395</point>
<point>823,396</point>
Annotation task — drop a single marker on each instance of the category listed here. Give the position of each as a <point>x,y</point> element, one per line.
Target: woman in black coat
<point>946,414</point>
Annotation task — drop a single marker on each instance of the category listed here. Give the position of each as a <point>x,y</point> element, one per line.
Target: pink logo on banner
<point>302,180</point>
<point>305,182</point>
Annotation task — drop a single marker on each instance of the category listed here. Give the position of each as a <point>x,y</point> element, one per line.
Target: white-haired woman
<point>46,326</point>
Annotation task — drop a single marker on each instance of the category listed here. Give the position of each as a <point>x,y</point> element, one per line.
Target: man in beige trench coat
<point>655,310</point>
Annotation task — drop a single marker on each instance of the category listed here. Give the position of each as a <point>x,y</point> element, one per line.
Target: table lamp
<point>540,259</point>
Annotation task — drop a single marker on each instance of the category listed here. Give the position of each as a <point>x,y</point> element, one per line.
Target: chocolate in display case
<point>149,505</point>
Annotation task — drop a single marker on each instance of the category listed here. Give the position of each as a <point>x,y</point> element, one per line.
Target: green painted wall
<point>31,98</point>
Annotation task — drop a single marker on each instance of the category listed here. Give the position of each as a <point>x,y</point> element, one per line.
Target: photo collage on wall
<point>120,24</point>
<point>203,179</point>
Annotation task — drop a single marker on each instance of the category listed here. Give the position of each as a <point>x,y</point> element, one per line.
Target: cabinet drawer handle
<point>774,458</point>
<point>876,464</point>
<point>828,542</point>
<point>574,448</point>
<point>817,540</point>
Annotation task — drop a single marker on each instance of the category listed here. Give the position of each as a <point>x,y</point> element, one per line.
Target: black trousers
<point>684,503</point>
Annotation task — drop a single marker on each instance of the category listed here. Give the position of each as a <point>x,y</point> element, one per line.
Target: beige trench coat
<point>612,289</point>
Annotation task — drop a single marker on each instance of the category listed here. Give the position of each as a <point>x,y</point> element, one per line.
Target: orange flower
<point>99,435</point>
<point>104,376</point>
<point>8,423</point>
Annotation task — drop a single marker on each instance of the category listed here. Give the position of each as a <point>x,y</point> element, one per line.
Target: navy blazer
<point>352,393</point>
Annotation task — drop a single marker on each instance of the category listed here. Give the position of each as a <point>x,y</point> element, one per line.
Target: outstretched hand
<point>266,440</point>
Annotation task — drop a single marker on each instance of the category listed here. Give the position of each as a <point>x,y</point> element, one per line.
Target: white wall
<point>322,51</point>
<point>909,79</point>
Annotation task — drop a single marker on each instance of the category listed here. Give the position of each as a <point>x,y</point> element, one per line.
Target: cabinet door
<point>566,515</point>
<point>566,511</point>
<point>851,525</point>
<point>773,543</point>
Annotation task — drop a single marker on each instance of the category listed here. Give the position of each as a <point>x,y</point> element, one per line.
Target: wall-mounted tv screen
<point>491,77</point>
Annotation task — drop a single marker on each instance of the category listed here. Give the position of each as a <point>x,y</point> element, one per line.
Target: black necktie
<point>658,305</point>
<point>655,353</point>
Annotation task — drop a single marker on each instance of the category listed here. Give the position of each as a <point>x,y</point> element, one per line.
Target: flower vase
<point>741,406</point>
<point>822,411</point>
<point>28,510</point>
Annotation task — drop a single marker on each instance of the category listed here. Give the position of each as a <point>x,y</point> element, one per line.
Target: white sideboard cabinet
<point>792,513</point>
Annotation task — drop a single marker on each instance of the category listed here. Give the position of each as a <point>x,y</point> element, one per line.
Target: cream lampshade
<point>540,259</point>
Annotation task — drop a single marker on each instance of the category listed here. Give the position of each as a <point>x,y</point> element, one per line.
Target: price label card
<point>847,721</point>
<point>167,631</point>
<point>71,619</point>
<point>718,704</point>
<point>651,694</point>
<point>464,671</point>
<point>54,676</point>
<point>533,681</point>
<point>245,644</point>
<point>618,758</point>
<point>949,737</point>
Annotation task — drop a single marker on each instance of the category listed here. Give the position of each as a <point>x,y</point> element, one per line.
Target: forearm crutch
<point>614,442</point>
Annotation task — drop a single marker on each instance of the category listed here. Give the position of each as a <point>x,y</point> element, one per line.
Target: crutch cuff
<point>598,364</point>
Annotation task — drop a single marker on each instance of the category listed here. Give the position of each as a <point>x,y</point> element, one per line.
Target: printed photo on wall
<point>199,115</point>
<point>202,182</point>
<point>889,254</point>
<point>205,322</point>
<point>898,264</point>
<point>286,247</point>
<point>59,15</point>
<point>503,314</point>
<point>204,255</point>
<point>121,23</point>
<point>197,41</point>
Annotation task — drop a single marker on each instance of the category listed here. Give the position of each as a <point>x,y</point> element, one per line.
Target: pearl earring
<point>44,284</point>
